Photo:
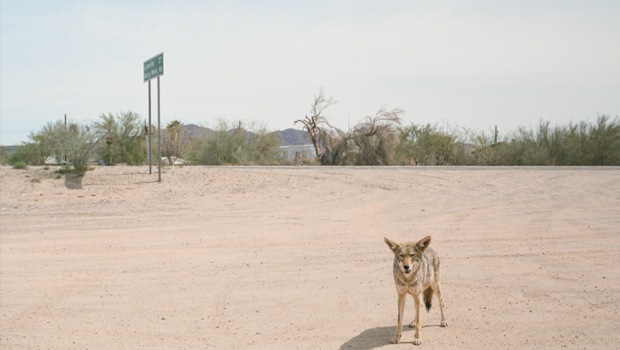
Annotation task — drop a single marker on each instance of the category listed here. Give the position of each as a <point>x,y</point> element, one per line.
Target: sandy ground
<point>294,258</point>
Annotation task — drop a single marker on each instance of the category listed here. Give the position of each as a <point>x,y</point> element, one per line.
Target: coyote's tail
<point>428,298</point>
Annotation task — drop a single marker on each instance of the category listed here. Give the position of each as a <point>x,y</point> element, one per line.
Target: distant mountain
<point>10,149</point>
<point>288,136</point>
<point>196,130</point>
<point>294,137</point>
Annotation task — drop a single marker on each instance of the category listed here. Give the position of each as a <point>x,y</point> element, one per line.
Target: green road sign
<point>154,67</point>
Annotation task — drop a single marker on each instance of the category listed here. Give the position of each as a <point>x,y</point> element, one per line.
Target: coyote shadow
<point>372,338</point>
<point>375,338</point>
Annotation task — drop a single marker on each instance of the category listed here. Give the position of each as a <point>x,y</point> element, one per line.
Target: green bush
<point>582,143</point>
<point>63,170</point>
<point>20,165</point>
<point>58,176</point>
<point>426,145</point>
<point>235,146</point>
<point>573,144</point>
<point>80,168</point>
<point>27,152</point>
<point>122,138</point>
<point>222,148</point>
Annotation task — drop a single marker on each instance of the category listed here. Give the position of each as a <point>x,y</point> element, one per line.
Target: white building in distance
<point>296,152</point>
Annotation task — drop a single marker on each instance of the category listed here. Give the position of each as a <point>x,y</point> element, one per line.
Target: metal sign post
<point>158,132</point>
<point>149,129</point>
<point>153,68</point>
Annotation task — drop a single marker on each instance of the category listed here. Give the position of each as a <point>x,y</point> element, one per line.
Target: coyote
<point>416,271</point>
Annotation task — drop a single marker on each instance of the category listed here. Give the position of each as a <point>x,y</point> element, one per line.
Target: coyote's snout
<point>416,272</point>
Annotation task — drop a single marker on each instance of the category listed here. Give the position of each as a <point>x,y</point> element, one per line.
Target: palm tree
<point>174,128</point>
<point>175,142</point>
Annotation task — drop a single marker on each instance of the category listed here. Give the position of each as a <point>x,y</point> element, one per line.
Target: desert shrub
<point>602,144</point>
<point>122,138</point>
<point>264,145</point>
<point>58,176</point>
<point>222,148</point>
<point>74,141</point>
<point>372,141</point>
<point>81,145</point>
<point>80,168</point>
<point>582,143</point>
<point>376,138</point>
<point>63,170</point>
<point>4,152</point>
<point>46,168</point>
<point>42,144</point>
<point>36,180</point>
<point>236,146</point>
<point>19,165</point>
<point>337,147</point>
<point>426,145</point>
<point>28,153</point>
<point>49,141</point>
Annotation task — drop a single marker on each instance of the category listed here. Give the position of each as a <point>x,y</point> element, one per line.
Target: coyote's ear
<point>424,243</point>
<point>393,245</point>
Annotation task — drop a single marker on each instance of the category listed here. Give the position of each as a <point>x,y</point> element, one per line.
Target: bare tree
<point>372,141</point>
<point>337,147</point>
<point>316,124</point>
<point>376,137</point>
<point>383,121</point>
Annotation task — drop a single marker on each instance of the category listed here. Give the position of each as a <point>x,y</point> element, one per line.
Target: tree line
<point>379,139</point>
<point>123,139</point>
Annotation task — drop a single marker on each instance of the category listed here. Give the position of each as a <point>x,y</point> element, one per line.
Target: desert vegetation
<point>20,165</point>
<point>122,138</point>
<point>583,143</point>
<point>230,145</point>
<point>383,140</point>
<point>73,141</point>
<point>378,139</point>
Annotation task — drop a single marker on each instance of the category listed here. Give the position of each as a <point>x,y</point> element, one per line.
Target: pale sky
<point>473,63</point>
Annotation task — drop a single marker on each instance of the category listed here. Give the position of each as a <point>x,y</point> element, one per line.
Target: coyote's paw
<point>417,342</point>
<point>444,323</point>
<point>395,340</point>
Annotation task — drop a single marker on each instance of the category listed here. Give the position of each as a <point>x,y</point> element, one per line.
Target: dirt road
<point>294,258</point>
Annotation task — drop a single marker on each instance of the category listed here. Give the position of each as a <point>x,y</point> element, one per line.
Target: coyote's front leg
<point>401,311</point>
<point>412,324</point>
<point>416,339</point>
